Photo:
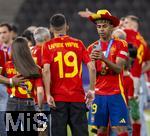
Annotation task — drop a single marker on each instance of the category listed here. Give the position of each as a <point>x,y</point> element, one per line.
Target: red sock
<point>101,134</point>
<point>123,134</point>
<point>136,129</point>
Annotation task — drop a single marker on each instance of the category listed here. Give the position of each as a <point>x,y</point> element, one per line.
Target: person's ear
<point>51,29</point>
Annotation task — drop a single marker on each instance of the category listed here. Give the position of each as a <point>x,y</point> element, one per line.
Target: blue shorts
<point>107,108</point>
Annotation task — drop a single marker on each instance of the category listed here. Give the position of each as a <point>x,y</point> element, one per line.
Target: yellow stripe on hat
<point>103,12</point>
<point>95,16</point>
<point>99,13</point>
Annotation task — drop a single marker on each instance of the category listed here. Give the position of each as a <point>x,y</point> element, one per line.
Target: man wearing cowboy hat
<point>109,55</point>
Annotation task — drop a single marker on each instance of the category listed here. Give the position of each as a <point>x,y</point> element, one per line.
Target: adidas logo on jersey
<point>122,121</point>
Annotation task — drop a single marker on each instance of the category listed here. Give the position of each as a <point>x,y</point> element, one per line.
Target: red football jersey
<point>110,83</point>
<point>7,49</point>
<point>25,91</point>
<point>37,56</point>
<point>3,58</point>
<point>147,53</point>
<point>128,87</point>
<point>65,56</point>
<point>137,41</point>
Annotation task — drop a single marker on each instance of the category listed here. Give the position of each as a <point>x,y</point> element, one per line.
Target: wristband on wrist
<point>10,81</point>
<point>92,91</point>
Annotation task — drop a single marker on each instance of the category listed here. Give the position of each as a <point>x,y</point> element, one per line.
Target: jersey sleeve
<point>47,54</point>
<point>90,48</point>
<point>123,50</point>
<point>147,53</point>
<point>131,88</point>
<point>38,82</point>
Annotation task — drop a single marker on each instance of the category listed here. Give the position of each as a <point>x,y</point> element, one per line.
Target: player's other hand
<point>90,96</point>
<point>85,13</point>
<point>51,102</point>
<point>96,55</point>
<point>18,79</point>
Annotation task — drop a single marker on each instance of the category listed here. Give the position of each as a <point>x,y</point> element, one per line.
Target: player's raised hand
<point>85,13</point>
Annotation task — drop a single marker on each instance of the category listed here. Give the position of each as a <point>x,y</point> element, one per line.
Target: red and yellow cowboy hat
<point>106,15</point>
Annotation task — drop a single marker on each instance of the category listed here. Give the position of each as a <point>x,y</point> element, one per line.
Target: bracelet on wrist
<point>92,91</point>
<point>10,81</point>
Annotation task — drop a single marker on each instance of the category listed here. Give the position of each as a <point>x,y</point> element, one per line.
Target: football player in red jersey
<point>41,35</point>
<point>134,39</point>
<point>6,37</point>
<point>62,58</point>
<point>109,55</point>
<point>139,52</point>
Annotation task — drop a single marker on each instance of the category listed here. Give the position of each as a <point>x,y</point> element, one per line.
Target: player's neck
<point>105,39</point>
<point>59,34</point>
<point>9,43</point>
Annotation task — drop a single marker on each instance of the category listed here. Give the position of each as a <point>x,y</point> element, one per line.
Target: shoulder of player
<point>130,31</point>
<point>49,42</point>
<point>75,40</point>
<point>91,45</point>
<point>2,54</point>
<point>1,51</point>
<point>120,42</point>
<point>36,50</point>
<point>9,64</point>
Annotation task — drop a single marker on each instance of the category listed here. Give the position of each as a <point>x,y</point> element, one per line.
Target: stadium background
<point>37,12</point>
<point>25,13</point>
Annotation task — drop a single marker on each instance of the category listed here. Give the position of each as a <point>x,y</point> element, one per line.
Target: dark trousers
<point>72,114</point>
<point>15,108</point>
<point>19,104</point>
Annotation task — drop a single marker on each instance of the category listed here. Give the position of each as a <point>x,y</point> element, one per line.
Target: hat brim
<point>114,20</point>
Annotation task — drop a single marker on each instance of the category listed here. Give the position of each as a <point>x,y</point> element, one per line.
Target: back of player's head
<point>29,36</point>
<point>57,20</point>
<point>32,28</point>
<point>133,18</point>
<point>41,34</point>
<point>14,28</point>
<point>122,18</point>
